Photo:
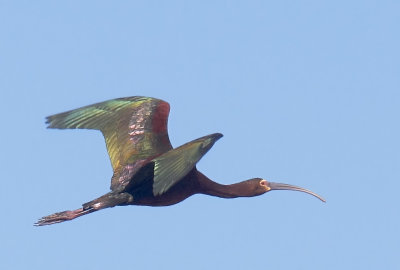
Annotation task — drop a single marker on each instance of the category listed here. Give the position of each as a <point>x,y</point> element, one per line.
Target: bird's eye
<point>263,182</point>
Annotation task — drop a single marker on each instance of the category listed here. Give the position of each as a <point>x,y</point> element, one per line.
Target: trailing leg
<point>62,216</point>
<point>110,199</point>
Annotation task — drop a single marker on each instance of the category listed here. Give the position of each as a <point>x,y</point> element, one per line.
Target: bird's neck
<point>209,187</point>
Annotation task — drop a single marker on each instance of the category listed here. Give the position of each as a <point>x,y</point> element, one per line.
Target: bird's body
<point>147,170</point>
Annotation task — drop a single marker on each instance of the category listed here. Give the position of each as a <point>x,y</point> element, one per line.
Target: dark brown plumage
<point>147,170</point>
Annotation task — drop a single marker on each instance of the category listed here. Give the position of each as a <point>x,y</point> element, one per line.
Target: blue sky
<point>305,92</point>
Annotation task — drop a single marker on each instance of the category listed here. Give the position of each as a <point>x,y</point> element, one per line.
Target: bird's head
<point>261,186</point>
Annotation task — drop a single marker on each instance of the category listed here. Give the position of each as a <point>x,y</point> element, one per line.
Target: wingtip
<point>215,136</point>
<point>47,121</point>
<point>219,135</point>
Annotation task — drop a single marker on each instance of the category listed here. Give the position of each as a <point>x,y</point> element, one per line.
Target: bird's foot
<point>61,217</point>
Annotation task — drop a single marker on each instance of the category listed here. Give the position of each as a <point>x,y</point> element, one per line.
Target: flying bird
<point>147,170</point>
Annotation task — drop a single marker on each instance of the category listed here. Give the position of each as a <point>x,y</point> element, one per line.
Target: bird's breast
<point>177,193</point>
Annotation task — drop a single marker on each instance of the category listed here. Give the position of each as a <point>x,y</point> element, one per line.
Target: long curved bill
<point>280,186</point>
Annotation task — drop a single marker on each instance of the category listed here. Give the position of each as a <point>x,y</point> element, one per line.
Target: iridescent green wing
<point>134,128</point>
<point>172,166</point>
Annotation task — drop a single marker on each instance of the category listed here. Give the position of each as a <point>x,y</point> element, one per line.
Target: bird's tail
<point>63,216</point>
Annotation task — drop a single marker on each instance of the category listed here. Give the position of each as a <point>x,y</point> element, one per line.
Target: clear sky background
<point>305,92</point>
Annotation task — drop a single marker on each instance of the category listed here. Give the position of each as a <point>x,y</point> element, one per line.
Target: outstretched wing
<point>134,128</point>
<point>172,166</point>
